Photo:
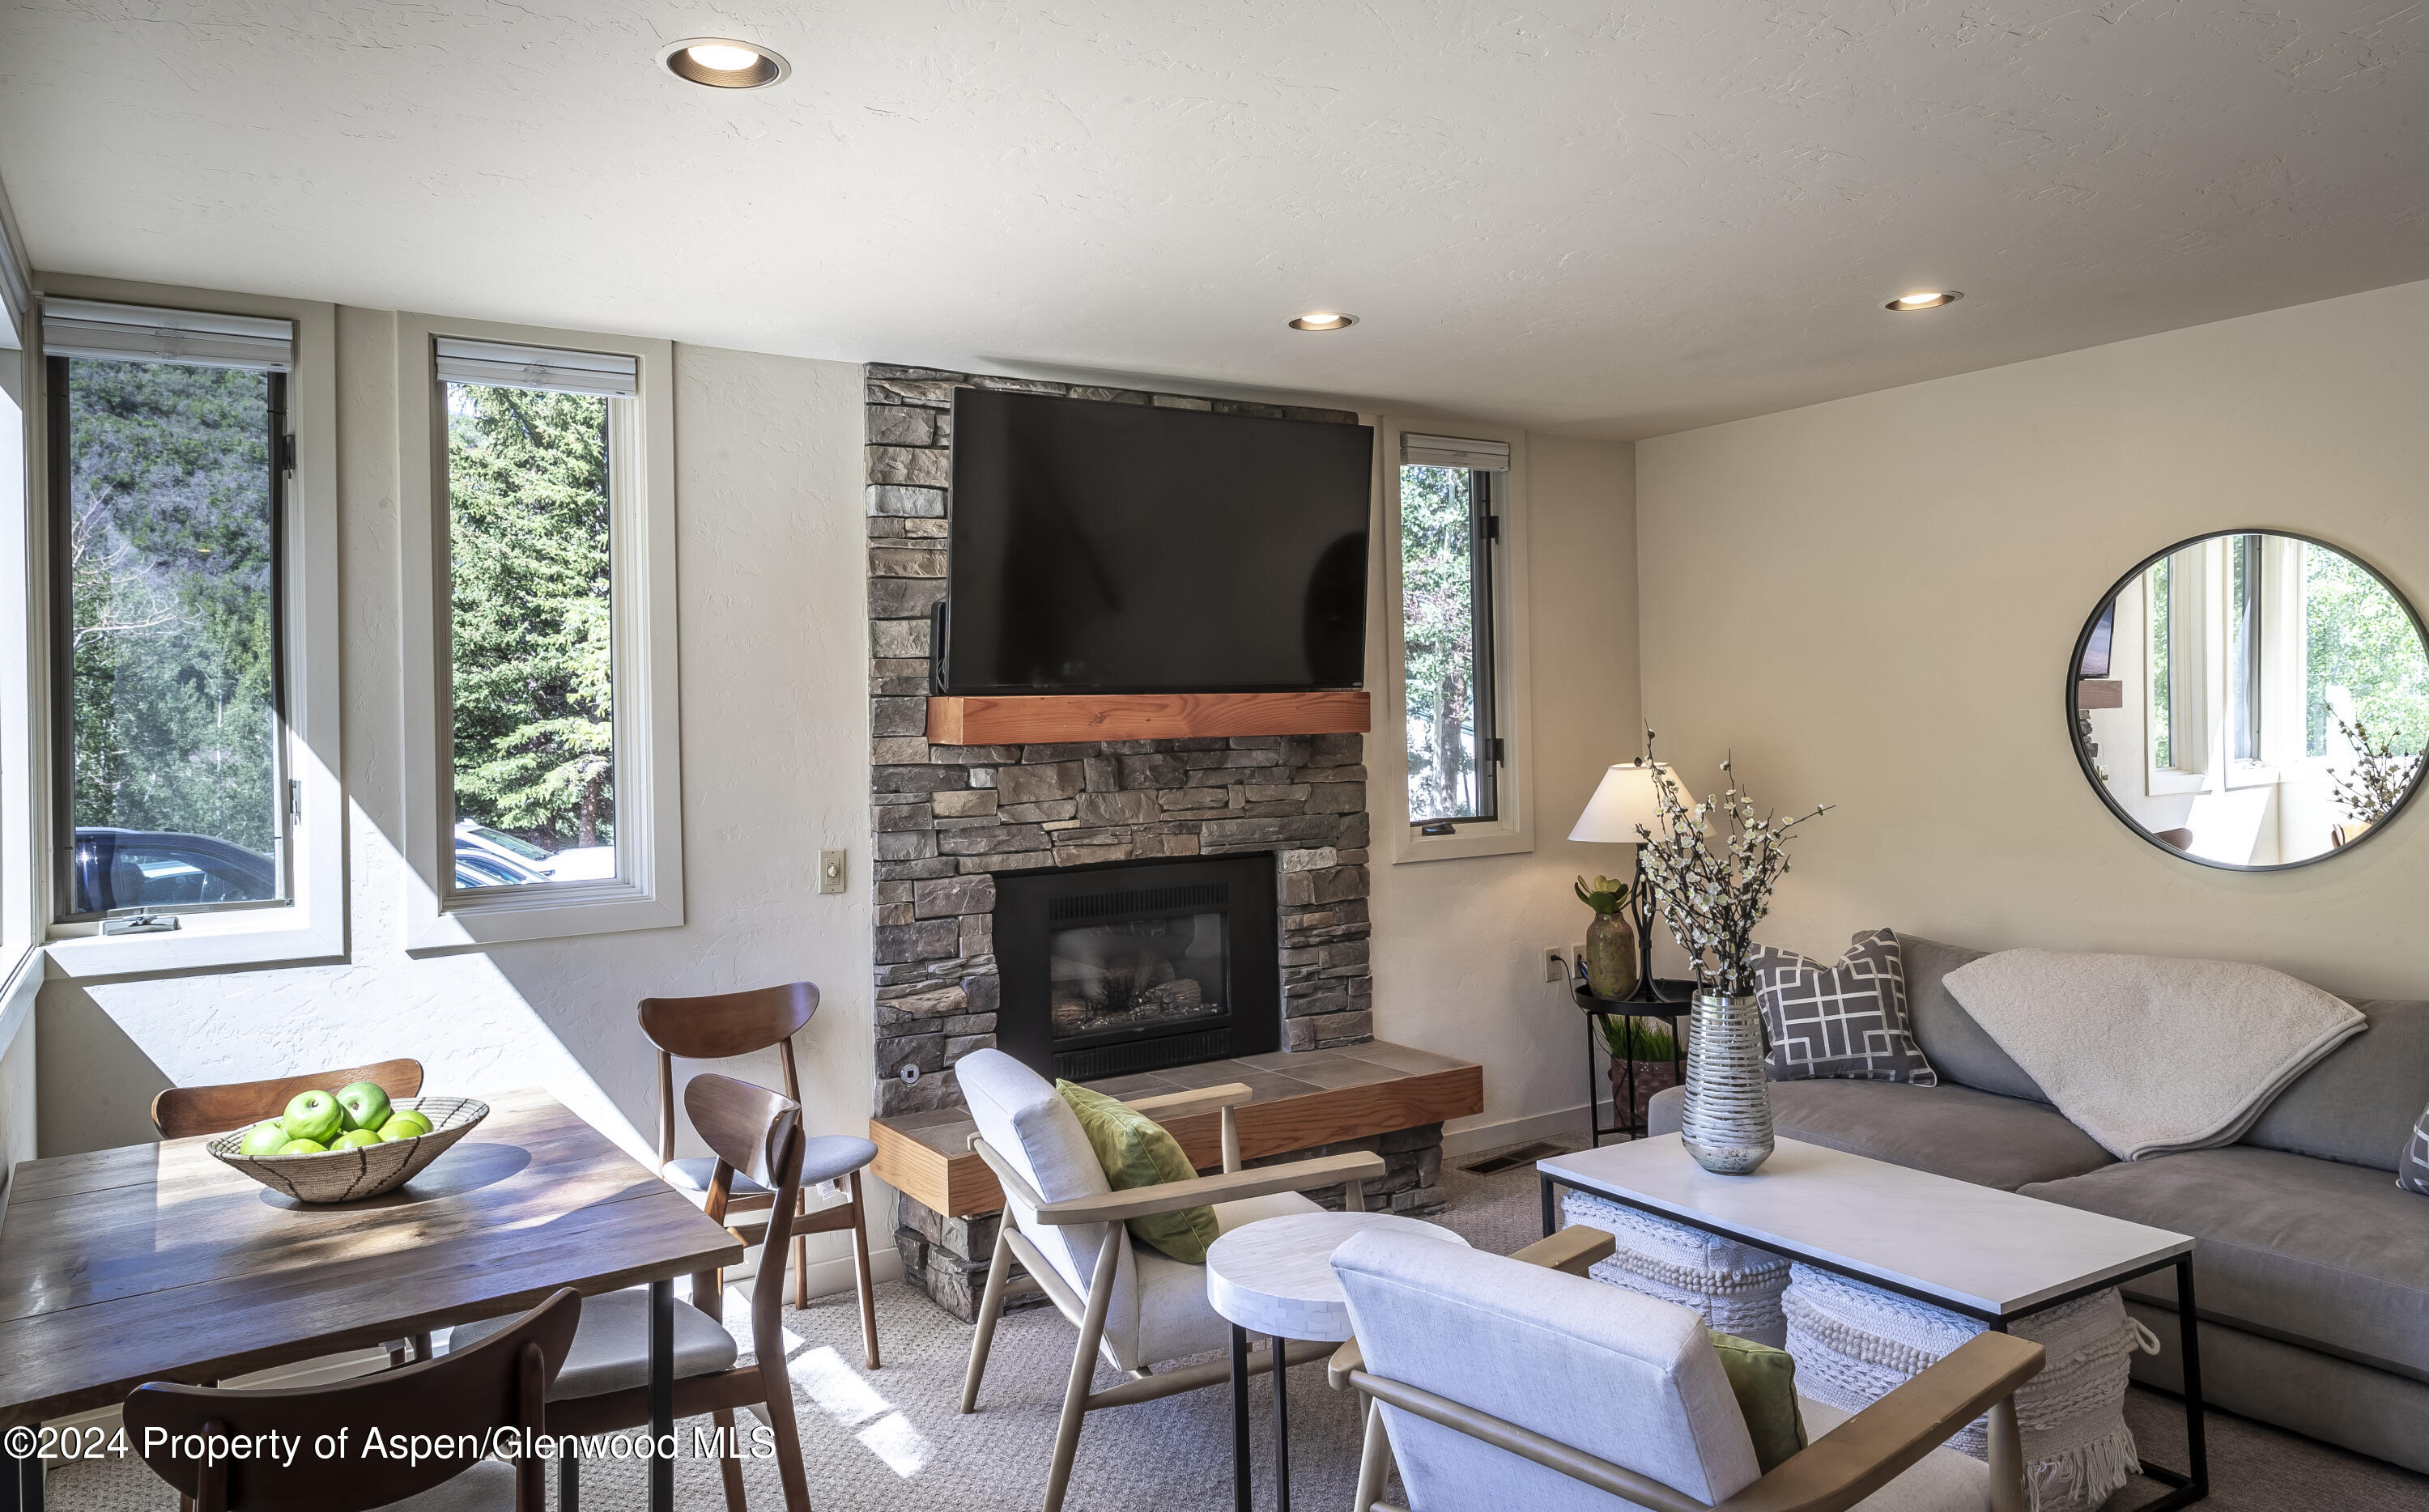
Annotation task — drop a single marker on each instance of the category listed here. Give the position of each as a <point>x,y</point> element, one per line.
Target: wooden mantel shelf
<point>1009,719</point>
<point>1303,1099</point>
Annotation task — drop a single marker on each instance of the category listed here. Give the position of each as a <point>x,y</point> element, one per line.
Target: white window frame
<point>647,890</point>
<point>1512,830</point>
<point>312,926</point>
<point>2201,605</point>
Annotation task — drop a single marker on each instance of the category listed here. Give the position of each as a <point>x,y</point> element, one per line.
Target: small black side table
<point>1667,1000</point>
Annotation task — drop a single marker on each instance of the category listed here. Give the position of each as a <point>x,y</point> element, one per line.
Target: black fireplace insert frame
<point>1024,925</point>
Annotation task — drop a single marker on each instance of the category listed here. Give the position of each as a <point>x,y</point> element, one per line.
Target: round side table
<point>1275,1277</point>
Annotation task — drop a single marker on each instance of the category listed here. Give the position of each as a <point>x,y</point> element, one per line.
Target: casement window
<point>1449,536</point>
<point>541,682</point>
<point>1454,503</point>
<point>194,812</point>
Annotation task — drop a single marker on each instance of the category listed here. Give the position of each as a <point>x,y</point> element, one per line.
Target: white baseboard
<point>1561,1123</point>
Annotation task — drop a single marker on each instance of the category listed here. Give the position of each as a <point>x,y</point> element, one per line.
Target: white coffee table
<point>1275,1277</point>
<point>1988,1254</point>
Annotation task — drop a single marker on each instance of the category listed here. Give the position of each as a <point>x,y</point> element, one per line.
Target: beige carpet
<point>890,1439</point>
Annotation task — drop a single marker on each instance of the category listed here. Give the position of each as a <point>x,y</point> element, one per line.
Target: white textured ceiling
<point>1616,219</point>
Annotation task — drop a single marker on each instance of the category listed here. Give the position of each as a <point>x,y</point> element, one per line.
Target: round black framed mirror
<point>2252,700</point>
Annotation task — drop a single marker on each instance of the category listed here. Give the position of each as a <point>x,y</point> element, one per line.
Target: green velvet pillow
<point>1764,1380</point>
<point>1136,1151</point>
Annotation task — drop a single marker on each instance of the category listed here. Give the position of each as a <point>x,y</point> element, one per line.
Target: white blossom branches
<point>1712,870</point>
<point>2379,779</point>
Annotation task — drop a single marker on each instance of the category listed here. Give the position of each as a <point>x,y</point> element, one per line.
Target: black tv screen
<point>1115,548</point>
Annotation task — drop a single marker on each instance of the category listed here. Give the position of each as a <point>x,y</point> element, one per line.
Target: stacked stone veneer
<point>949,818</point>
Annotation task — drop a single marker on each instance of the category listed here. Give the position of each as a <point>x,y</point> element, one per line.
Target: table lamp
<point>1628,796</point>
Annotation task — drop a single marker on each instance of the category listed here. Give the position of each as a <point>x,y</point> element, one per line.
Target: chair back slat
<point>728,1024</point>
<point>500,1382</point>
<point>181,1113</point>
<point>743,1126</point>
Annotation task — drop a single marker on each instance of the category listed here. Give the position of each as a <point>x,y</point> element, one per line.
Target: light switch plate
<point>831,876</point>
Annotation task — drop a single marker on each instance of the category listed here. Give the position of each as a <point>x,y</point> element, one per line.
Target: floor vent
<point>1522,1154</point>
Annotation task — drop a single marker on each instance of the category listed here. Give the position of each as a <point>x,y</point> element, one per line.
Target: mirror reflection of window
<point>2278,707</point>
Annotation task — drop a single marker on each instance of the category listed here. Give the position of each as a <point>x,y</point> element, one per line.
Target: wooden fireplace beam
<point>1059,718</point>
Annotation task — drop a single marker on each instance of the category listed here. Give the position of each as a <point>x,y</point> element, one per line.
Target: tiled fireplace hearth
<point>950,819</point>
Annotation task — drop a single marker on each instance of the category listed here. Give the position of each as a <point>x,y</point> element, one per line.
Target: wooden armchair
<point>1134,1307</point>
<point>726,1024</point>
<point>1497,1387</point>
<point>757,1137</point>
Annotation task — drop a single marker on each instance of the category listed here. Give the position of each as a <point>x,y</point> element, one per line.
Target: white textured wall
<point>1459,944</point>
<point>775,741</point>
<point>1873,600</point>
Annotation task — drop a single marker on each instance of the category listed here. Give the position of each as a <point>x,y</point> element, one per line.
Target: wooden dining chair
<point>184,1113</point>
<point>502,1384</point>
<point>719,1027</point>
<point>757,1136</point>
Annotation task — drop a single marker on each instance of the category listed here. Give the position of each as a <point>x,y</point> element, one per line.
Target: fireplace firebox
<point>1136,966</point>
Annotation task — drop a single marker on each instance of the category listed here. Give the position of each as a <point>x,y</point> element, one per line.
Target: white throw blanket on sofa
<point>2149,1055</point>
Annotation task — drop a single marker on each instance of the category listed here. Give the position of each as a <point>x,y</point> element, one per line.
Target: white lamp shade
<point>1625,798</point>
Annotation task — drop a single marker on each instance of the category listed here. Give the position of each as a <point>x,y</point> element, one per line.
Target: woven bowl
<point>350,1176</point>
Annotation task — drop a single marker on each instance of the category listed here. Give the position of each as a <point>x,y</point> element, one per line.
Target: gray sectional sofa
<point>2313,1265</point>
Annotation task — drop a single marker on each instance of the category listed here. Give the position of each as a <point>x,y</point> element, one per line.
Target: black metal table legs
<point>1239,1419</point>
<point>662,1395</point>
<point>1240,1424</point>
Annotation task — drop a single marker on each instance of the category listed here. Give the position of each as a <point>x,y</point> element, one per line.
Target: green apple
<point>365,1105</point>
<point>263,1139</point>
<point>315,1116</point>
<point>356,1139</point>
<point>400,1127</point>
<point>414,1116</point>
<point>303,1147</point>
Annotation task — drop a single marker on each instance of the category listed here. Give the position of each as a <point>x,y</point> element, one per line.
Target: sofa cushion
<point>1958,1049</point>
<point>2359,1105</point>
<point>1949,1130</point>
<point>2316,1252</point>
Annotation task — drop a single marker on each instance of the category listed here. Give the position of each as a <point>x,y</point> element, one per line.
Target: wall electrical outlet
<point>1556,966</point>
<point>831,877</point>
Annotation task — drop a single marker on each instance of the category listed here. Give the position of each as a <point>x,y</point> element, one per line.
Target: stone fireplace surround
<point>948,818</point>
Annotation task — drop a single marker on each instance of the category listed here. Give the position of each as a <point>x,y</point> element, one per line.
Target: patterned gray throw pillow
<point>2412,1170</point>
<point>1847,1020</point>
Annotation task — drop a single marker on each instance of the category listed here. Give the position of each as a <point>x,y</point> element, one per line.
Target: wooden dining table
<point>156,1262</point>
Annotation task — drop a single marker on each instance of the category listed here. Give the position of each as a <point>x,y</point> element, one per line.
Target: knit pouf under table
<point>1854,1344</point>
<point>1735,1288</point>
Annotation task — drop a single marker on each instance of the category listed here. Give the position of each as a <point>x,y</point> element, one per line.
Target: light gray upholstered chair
<point>1134,1307</point>
<point>1498,1382</point>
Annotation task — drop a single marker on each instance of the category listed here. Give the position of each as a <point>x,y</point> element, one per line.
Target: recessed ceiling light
<point>1323,320</point>
<point>1927,300</point>
<point>723,63</point>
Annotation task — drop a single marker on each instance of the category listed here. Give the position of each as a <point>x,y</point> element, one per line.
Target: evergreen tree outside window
<point>1447,627</point>
<point>166,508</point>
<point>531,644</point>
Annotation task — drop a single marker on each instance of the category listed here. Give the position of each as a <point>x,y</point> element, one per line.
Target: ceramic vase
<point>1726,1122</point>
<point>1611,956</point>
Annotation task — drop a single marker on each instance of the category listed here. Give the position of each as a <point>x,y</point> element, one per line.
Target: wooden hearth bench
<point>1304,1098</point>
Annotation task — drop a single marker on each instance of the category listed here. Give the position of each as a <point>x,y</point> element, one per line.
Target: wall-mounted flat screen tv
<point>1111,547</point>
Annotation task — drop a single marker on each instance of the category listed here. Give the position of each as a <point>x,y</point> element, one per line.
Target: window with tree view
<point>165,498</point>
<point>529,492</point>
<point>1447,533</point>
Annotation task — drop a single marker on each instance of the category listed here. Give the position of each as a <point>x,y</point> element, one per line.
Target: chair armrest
<point>1348,1357</point>
<point>1574,1249</point>
<point>1874,1447</point>
<point>1165,1106</point>
<point>1229,1186</point>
